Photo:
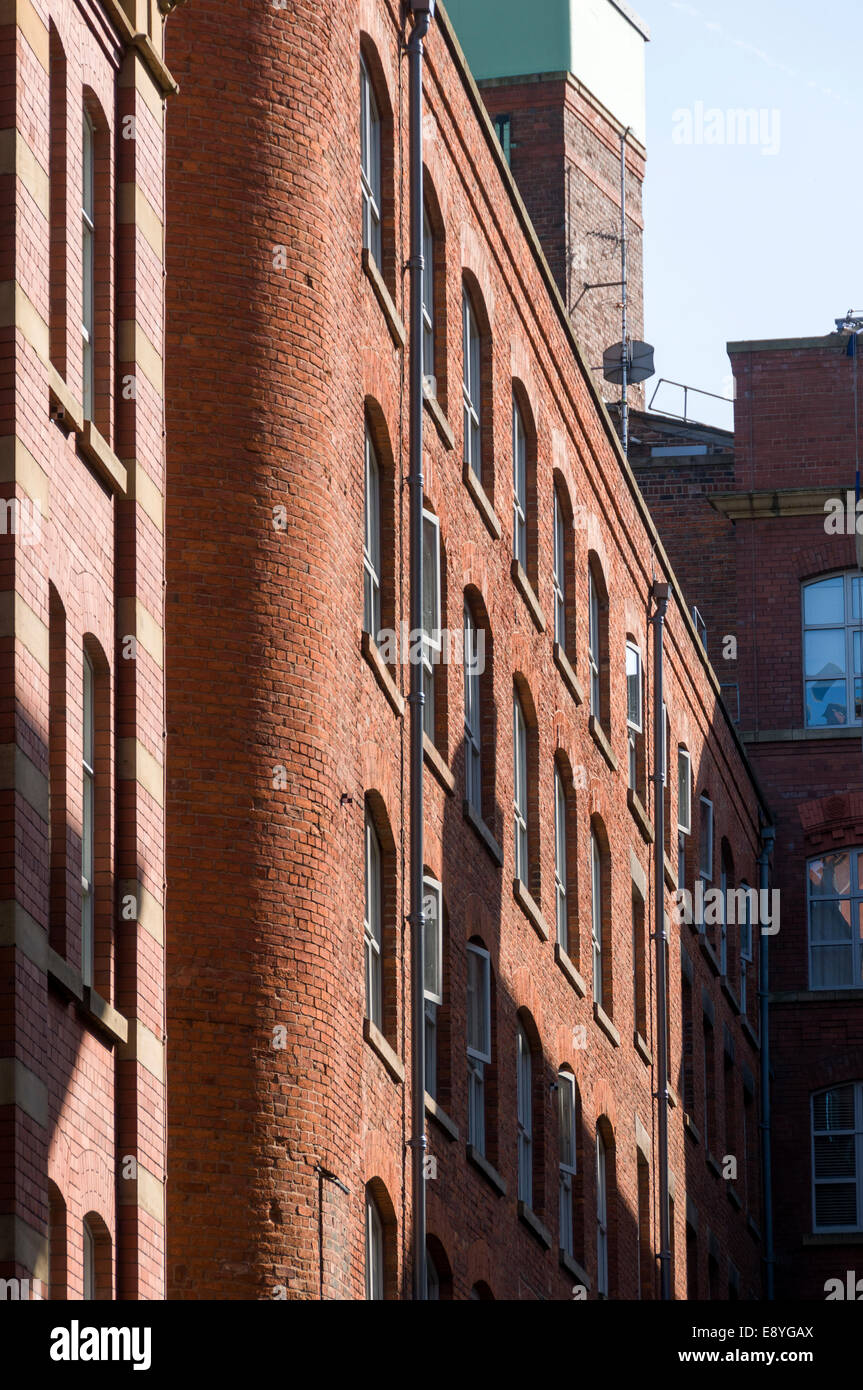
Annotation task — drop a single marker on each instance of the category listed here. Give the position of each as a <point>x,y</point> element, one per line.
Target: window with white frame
<point>684,811</point>
<point>431,616</point>
<point>633,709</point>
<point>370,173</point>
<point>596,915</point>
<point>428,306</point>
<point>519,486</point>
<point>372,542</point>
<point>374,1250</point>
<point>560,861</point>
<point>89,1263</point>
<point>373,925</point>
<point>524,1106</point>
<point>478,1041</point>
<point>837,1158</point>
<point>88,236</point>
<point>593,652</point>
<point>568,1151</point>
<point>835,895</point>
<point>520,788</point>
<point>559,572</point>
<point>433,943</point>
<point>472,733</point>
<point>88,827</point>
<point>471,386</point>
<point>601,1218</point>
<point>745,946</point>
<point>833,650</point>
<point>705,839</point>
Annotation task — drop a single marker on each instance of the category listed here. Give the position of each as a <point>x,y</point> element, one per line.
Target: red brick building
<point>288,962</point>
<point>776,578</point>
<point>81,446</point>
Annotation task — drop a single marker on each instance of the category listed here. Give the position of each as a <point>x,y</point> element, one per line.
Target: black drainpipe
<point>768,835</point>
<point>422,11</point>
<point>659,594</point>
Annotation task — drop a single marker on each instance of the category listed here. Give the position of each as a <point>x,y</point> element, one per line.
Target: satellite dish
<point>639,365</point>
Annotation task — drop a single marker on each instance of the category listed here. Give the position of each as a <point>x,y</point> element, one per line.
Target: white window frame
<point>684,825</point>
<point>596,915</point>
<point>519,485</point>
<point>560,874</point>
<point>88,821</point>
<point>370,165</point>
<point>88,261</point>
<point>478,1044</point>
<point>524,1115</point>
<point>853,629</point>
<point>568,1160</point>
<point>854,899</point>
<point>374,1251</point>
<point>704,859</point>
<point>373,924</point>
<point>372,540</point>
<point>601,1217</point>
<point>634,709</point>
<point>856,1134</point>
<point>431,642</point>
<point>519,800</point>
<point>559,572</point>
<point>593,647</point>
<point>88,1263</point>
<point>472,727</point>
<point>429,377</point>
<point>471,386</point>
<point>433,939</point>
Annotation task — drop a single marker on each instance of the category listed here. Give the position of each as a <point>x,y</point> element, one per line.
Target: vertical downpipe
<point>423,11</point>
<point>624,351</point>
<point>768,835</point>
<point>659,593</point>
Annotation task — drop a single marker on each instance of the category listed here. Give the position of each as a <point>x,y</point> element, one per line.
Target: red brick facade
<point>81,1041</point>
<point>285,344</point>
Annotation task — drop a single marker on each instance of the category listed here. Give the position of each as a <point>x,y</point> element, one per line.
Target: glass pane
<point>824,602</point>
<point>856,595</point>
<point>826,703</point>
<point>832,967</point>
<point>433,929</point>
<point>834,1109</point>
<point>87,837</point>
<point>836,1204</point>
<point>431,619</point>
<point>834,1156</point>
<point>830,921</point>
<point>824,652</point>
<point>831,876</point>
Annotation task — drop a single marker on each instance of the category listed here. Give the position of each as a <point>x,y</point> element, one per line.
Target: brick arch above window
<point>478,273</point>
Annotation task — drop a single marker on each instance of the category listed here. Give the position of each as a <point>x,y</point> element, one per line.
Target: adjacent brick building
<point>81,451</point>
<point>288,960</point>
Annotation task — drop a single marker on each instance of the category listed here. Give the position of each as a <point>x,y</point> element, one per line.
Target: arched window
<point>428,304</point>
<point>559,568</point>
<point>524,1096</point>
<point>431,642</point>
<point>56,1244</point>
<point>600,893</point>
<point>833,650</point>
<point>96,1261</point>
<point>374,1249</point>
<point>58,247</point>
<point>520,796</point>
<point>372,541</point>
<point>684,810</point>
<point>433,911</point>
<point>601,1217</point>
<point>472,386</point>
<point>560,865</point>
<point>438,1272</point>
<point>373,925</point>
<point>88,261</point>
<point>479,1042</point>
<point>598,643</point>
<point>472,723</point>
<point>568,1162</point>
<point>835,893</point>
<point>519,486</point>
<point>726,946</point>
<point>837,1158</point>
<point>89,1263</point>
<point>634,718</point>
<point>88,823</point>
<point>371,165</point>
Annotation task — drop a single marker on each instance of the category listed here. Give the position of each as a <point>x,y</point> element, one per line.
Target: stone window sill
<point>713,1164</point>
<point>605,1023</point>
<point>529,1218</point>
<point>751,1034</point>
<point>441,423</point>
<point>384,298</point>
<point>482,1165</point>
<point>378,1043</point>
<point>480,497</point>
<point>708,953</point>
<point>69,414</point>
<point>438,765</point>
<point>672,1096</point>
<point>381,673</point>
<point>725,986</point>
<point>733,1196</point>
<point>438,1114</point>
<point>525,588</point>
<point>831,1238</point>
<point>598,735</point>
<point>485,835</point>
<point>570,679</point>
<point>670,875</point>
<point>530,909</point>
<point>691,1128</point>
<point>569,970</point>
<point>97,1011</point>
<point>571,1265</point>
<point>642,1049</point>
<point>640,816</point>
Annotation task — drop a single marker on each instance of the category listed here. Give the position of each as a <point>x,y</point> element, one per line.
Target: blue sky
<point>740,243</point>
